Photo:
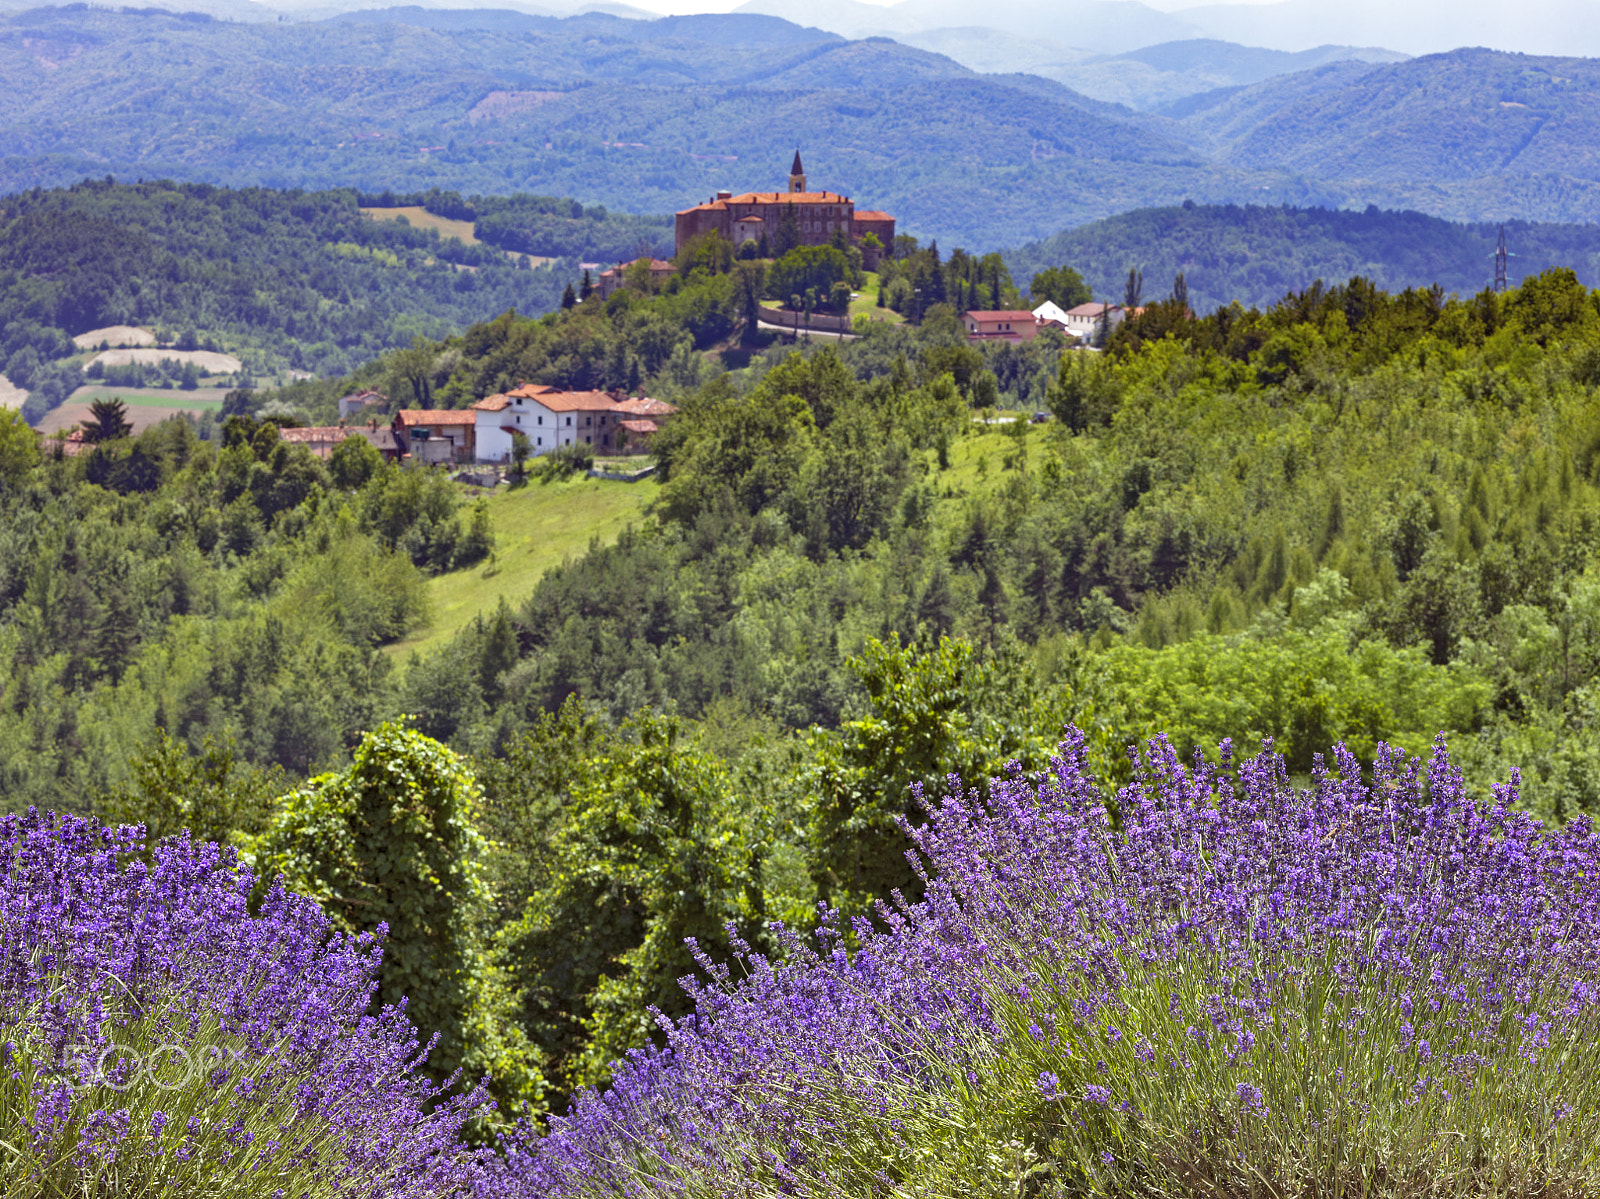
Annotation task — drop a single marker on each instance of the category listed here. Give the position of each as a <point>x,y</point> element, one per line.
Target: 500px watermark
<point>167,1067</point>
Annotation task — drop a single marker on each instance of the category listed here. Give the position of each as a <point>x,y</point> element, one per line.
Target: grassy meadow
<point>866,304</point>
<point>536,527</point>
<point>462,231</point>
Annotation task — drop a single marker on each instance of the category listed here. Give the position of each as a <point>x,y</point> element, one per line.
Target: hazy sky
<point>680,7</point>
<point>1552,27</point>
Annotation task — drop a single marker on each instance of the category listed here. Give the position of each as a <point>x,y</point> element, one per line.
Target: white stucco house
<point>550,418</point>
<point>1054,316</point>
<point>1084,320</point>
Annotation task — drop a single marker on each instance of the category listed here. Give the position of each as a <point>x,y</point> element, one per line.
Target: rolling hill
<point>648,116</point>
<point>1257,255</point>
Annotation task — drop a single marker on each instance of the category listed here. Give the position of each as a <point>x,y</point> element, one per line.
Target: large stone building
<point>818,215</point>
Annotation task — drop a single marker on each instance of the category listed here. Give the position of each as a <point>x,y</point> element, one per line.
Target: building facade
<point>439,437</point>
<point>1005,325</point>
<point>818,217</point>
<point>551,418</point>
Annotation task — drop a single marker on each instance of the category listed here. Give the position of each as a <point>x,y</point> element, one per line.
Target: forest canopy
<point>1353,516</point>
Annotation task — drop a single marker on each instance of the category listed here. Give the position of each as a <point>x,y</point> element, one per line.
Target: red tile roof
<point>770,198</point>
<point>1016,317</point>
<point>657,265</point>
<point>640,426</point>
<point>576,401</point>
<point>442,416</point>
<point>644,406</point>
<point>872,214</point>
<point>331,435</point>
<point>494,403</point>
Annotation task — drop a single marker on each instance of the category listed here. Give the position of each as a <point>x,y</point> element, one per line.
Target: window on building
<point>569,422</point>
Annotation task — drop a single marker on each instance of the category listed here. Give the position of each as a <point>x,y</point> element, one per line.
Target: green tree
<point>521,448</point>
<point>933,709</point>
<point>19,448</point>
<point>1062,285</point>
<point>108,421</point>
<point>212,795</point>
<point>633,845</point>
<point>393,841</point>
<point>353,462</point>
<point>1133,290</point>
<point>787,237</point>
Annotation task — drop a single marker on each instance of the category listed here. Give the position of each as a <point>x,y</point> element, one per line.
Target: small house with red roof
<point>444,436</point>
<point>1002,325</point>
<point>660,271</point>
<point>322,440</point>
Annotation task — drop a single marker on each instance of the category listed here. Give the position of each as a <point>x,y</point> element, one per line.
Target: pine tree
<point>586,288</point>
<point>569,297</point>
<point>1134,289</point>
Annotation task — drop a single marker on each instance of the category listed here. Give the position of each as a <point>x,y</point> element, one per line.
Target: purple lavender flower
<point>137,980</point>
<point>1415,896</point>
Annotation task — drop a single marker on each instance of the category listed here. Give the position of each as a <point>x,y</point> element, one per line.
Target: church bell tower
<point>797,175</point>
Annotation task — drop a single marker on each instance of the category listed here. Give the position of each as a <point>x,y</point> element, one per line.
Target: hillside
<point>1142,79</point>
<point>1258,255</point>
<point>291,280</point>
<point>706,701</point>
<point>1458,135</point>
<point>645,117</point>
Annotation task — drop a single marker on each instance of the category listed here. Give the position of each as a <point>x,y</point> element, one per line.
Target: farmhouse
<point>551,418</point>
<point>817,217</point>
<point>660,270</point>
<point>359,403</point>
<point>1015,327</point>
<point>1085,319</point>
<point>441,436</point>
<point>1051,315</point>
<point>322,440</point>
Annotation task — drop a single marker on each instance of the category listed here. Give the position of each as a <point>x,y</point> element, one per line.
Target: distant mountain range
<point>1141,79</point>
<point>652,116</point>
<point>1117,26</point>
<point>1257,255</point>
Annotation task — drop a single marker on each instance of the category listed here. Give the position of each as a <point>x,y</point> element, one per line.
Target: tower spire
<point>797,174</point>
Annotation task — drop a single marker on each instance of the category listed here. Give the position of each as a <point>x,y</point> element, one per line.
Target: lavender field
<point>1210,983</point>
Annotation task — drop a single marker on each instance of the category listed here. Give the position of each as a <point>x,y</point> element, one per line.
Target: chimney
<point>724,195</point>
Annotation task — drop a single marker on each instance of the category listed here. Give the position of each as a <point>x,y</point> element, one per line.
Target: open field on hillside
<point>146,405</point>
<point>197,400</point>
<point>463,231</point>
<point>535,528</point>
<point>207,360</point>
<point>423,219</point>
<point>116,335</point>
<point>69,416</point>
<point>11,396</point>
<point>866,304</point>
